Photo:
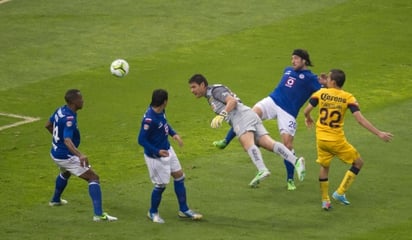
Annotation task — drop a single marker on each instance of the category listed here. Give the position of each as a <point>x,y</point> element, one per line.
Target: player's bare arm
<point>84,162</point>
<point>385,136</point>
<point>308,118</point>
<point>231,103</point>
<point>49,127</point>
<point>178,139</point>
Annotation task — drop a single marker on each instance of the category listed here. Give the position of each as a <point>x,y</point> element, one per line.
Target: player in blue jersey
<point>161,159</point>
<point>293,90</point>
<point>65,153</point>
<point>245,123</point>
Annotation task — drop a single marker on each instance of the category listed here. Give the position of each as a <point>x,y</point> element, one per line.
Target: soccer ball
<point>119,68</point>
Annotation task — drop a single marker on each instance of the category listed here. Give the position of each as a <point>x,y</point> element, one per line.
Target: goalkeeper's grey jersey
<point>216,95</point>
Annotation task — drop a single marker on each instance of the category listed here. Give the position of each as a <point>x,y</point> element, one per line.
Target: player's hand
<point>163,153</point>
<point>323,77</point>
<point>217,121</point>
<point>84,162</point>
<point>309,122</point>
<point>177,138</point>
<point>385,136</point>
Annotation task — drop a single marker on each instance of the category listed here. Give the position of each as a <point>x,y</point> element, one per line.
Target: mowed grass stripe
<point>216,180</point>
<point>62,38</point>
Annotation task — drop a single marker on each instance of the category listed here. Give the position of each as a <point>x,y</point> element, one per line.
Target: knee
<point>358,163</point>
<point>289,145</point>
<point>257,110</point>
<point>95,178</point>
<point>66,174</point>
<point>91,176</point>
<point>178,175</point>
<point>160,186</point>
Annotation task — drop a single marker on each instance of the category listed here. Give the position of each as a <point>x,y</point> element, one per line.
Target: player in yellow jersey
<point>330,138</point>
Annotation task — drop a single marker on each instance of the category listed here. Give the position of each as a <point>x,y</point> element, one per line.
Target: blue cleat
<point>340,198</point>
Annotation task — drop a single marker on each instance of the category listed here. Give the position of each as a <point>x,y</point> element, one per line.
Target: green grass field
<point>49,46</point>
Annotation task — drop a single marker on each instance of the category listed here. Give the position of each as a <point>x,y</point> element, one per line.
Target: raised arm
<point>385,136</point>
<point>308,118</point>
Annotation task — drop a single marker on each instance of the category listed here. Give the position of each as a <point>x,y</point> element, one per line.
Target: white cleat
<point>155,217</point>
<point>190,214</point>
<point>61,203</point>
<point>262,174</point>
<point>104,218</point>
<point>300,168</point>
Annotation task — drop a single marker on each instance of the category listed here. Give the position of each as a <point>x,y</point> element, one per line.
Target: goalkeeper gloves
<point>217,121</point>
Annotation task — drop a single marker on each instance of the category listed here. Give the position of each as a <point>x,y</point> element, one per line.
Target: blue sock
<point>290,169</point>
<point>180,191</point>
<point>230,135</point>
<point>61,184</point>
<point>156,199</point>
<point>96,195</point>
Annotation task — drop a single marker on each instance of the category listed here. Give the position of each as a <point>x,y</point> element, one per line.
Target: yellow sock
<point>346,182</point>
<point>324,189</point>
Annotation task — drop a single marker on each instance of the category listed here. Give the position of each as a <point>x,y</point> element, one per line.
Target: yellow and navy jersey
<point>333,104</point>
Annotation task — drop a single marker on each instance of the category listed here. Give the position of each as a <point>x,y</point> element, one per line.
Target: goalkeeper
<point>246,124</point>
<point>293,90</point>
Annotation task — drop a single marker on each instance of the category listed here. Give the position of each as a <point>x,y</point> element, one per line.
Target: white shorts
<point>71,165</point>
<point>160,169</point>
<point>286,122</point>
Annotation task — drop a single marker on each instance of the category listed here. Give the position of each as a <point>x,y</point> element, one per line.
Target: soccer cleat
<point>300,168</point>
<point>61,203</point>
<point>190,214</point>
<point>326,205</point>
<point>155,217</point>
<point>340,198</point>
<point>221,144</point>
<point>291,185</point>
<point>262,174</point>
<point>104,218</point>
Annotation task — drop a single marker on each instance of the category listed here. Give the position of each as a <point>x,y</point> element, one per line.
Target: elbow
<point>360,122</point>
<point>49,127</point>
<point>67,141</point>
<point>140,140</point>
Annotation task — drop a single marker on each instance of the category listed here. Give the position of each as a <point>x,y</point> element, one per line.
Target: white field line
<point>24,121</point>
<point>4,1</point>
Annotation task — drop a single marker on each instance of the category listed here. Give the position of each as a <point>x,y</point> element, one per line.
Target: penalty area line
<point>4,1</point>
<point>24,121</point>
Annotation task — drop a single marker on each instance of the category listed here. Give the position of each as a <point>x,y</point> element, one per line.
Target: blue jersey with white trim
<point>64,126</point>
<point>154,133</point>
<point>294,89</point>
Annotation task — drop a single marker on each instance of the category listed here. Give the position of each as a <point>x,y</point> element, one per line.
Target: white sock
<point>283,151</point>
<point>256,157</point>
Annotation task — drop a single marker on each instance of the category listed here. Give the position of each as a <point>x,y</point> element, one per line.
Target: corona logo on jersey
<point>327,97</point>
